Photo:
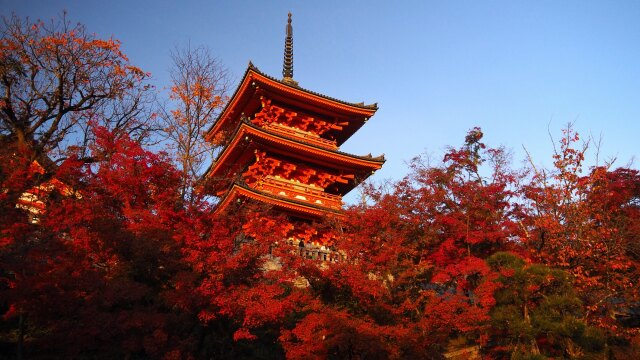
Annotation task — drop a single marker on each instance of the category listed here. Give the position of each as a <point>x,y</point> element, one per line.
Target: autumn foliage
<point>588,225</point>
<point>465,253</point>
<point>57,78</point>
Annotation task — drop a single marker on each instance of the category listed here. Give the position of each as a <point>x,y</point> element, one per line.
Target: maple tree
<point>55,79</point>
<point>94,274</point>
<point>414,272</point>
<point>587,225</point>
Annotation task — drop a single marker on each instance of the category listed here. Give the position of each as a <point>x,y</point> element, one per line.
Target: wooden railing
<point>318,253</point>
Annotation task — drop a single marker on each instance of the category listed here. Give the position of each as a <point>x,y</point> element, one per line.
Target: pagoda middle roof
<point>356,114</point>
<point>298,207</point>
<point>364,164</point>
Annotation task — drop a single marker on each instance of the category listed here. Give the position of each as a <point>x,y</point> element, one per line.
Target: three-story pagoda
<point>281,146</point>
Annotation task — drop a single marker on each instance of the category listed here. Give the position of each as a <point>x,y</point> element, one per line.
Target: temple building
<point>280,145</point>
<point>33,200</point>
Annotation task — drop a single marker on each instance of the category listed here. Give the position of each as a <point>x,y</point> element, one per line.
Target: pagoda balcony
<point>300,192</point>
<point>314,252</point>
<point>306,136</point>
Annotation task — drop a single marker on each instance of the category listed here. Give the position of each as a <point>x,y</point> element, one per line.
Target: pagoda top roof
<point>295,85</point>
<point>255,78</point>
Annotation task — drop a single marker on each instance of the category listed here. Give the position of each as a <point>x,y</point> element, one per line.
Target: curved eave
<point>253,75</point>
<point>338,158</point>
<point>292,206</point>
<point>312,96</point>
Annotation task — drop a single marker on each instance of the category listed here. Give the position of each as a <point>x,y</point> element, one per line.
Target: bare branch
<point>199,84</point>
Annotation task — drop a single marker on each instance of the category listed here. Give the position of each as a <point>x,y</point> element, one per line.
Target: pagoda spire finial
<point>287,66</point>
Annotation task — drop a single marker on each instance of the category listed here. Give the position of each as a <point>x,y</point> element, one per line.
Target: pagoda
<point>280,145</point>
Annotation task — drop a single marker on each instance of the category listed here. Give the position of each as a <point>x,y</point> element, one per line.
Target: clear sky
<point>435,68</point>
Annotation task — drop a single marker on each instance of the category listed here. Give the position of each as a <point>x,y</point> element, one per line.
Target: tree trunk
<point>20,336</point>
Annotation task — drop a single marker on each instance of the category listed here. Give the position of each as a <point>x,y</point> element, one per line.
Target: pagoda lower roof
<point>291,147</point>
<point>355,114</point>
<point>292,206</point>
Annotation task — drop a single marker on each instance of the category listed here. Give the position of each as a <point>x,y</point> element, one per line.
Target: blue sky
<point>436,68</point>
